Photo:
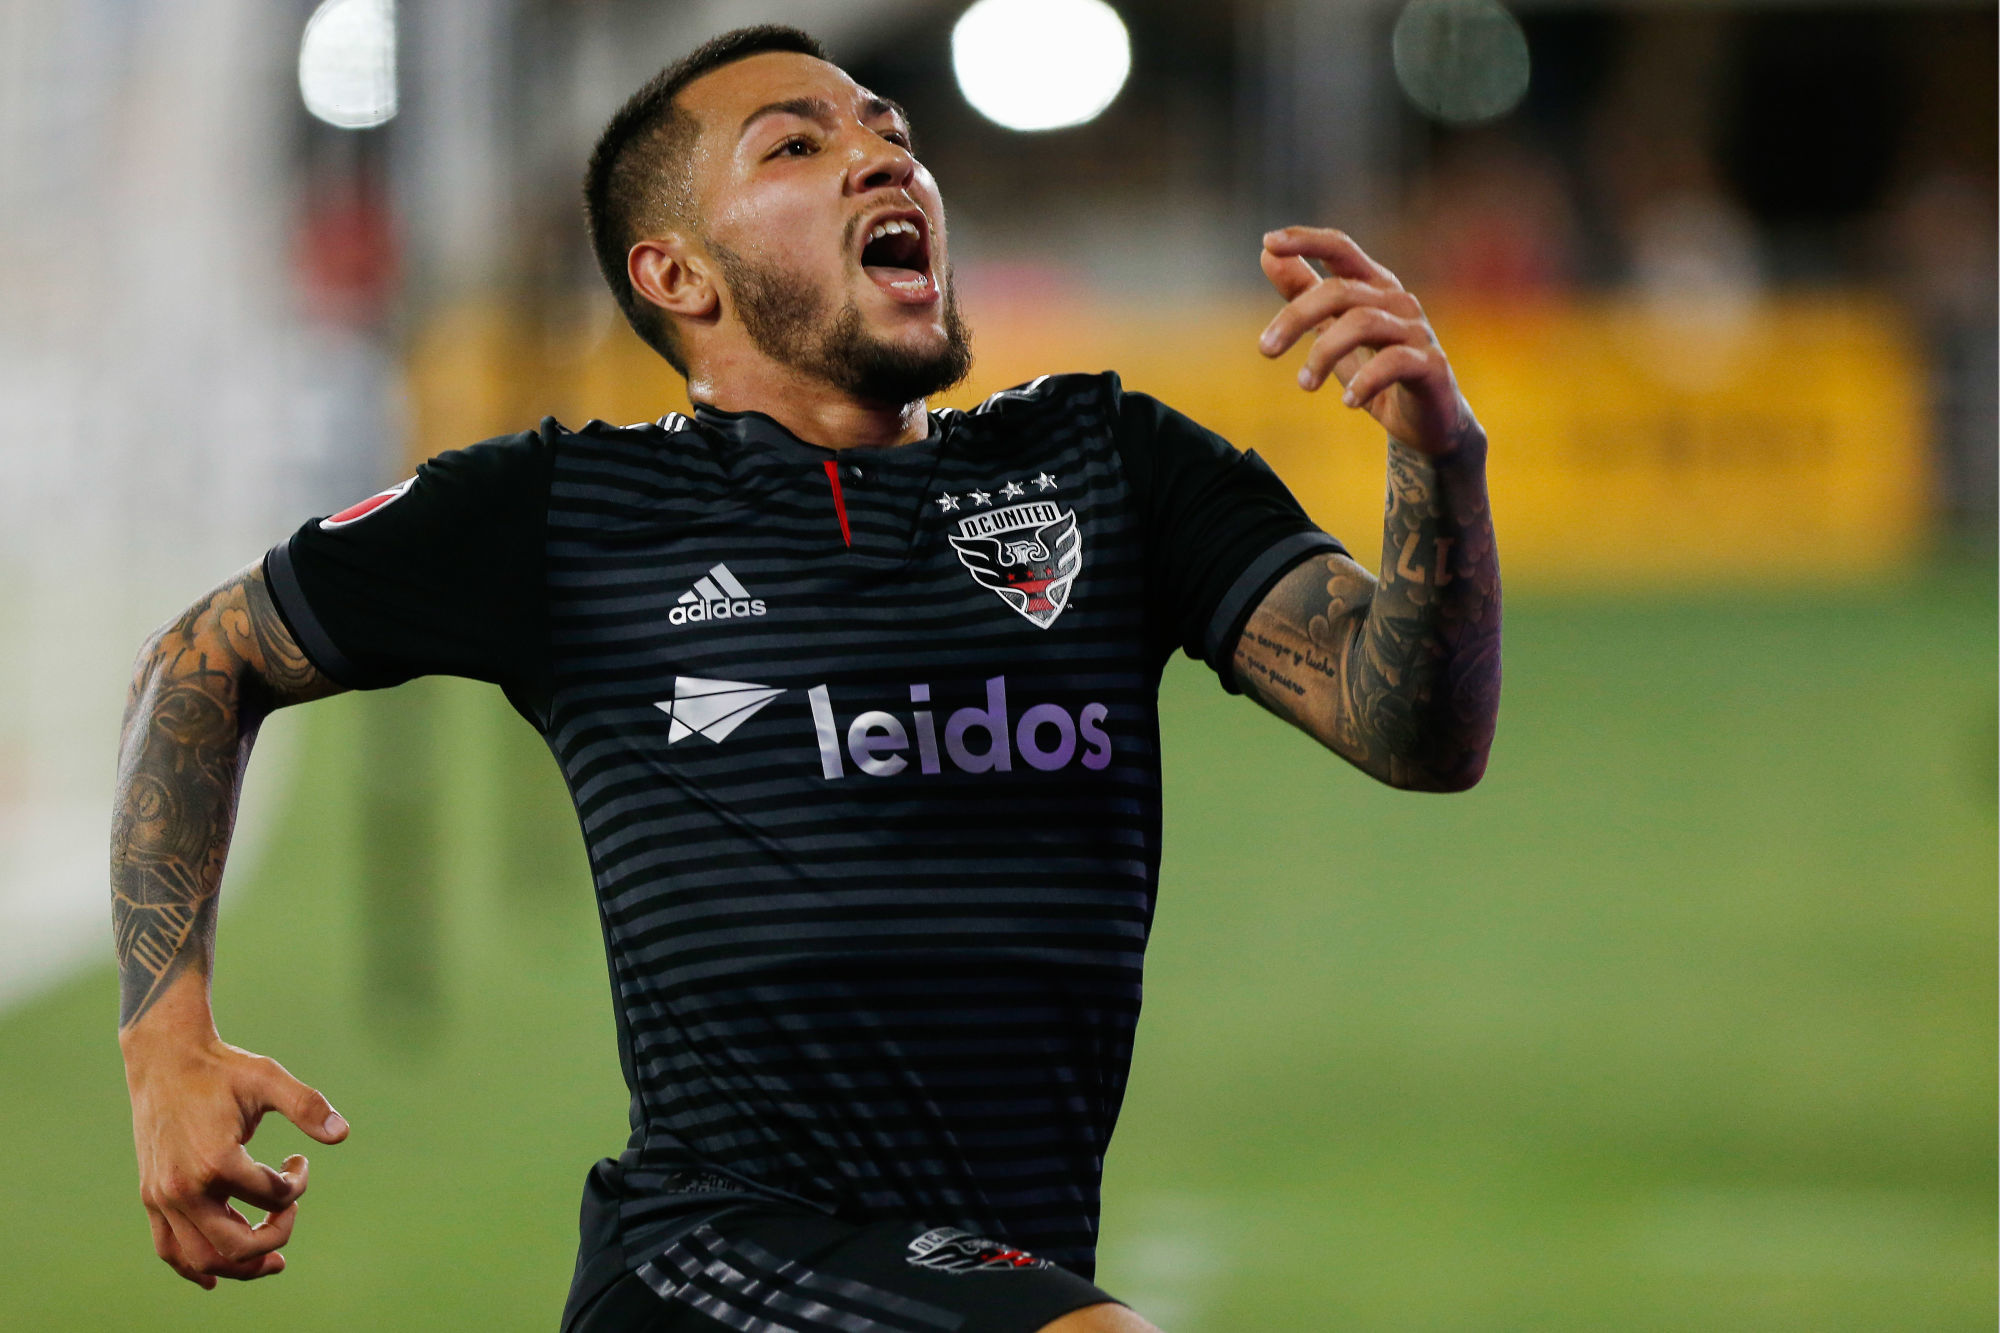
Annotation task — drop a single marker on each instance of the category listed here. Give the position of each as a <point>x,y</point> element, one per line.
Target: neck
<point>809,408</point>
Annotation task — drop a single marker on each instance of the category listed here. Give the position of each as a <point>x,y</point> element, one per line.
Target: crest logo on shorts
<point>354,513</point>
<point>1029,554</point>
<point>949,1250</point>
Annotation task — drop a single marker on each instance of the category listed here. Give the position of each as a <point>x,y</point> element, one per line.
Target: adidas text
<point>716,595</point>
<point>716,610</point>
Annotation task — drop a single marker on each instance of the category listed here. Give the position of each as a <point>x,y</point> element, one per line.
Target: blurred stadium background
<point>1683,1020</point>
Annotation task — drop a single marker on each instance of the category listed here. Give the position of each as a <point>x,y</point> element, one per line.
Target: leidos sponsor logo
<point>716,595</point>
<point>974,740</point>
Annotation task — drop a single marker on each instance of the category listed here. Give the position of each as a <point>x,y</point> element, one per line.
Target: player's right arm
<point>201,687</point>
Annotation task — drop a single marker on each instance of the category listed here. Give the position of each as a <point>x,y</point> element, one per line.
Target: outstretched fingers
<point>1288,273</point>
<point>1326,305</point>
<point>1311,309</point>
<point>1368,329</point>
<point>1334,248</point>
<point>1402,364</point>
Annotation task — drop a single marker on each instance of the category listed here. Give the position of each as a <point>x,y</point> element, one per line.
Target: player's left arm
<point>1399,675</point>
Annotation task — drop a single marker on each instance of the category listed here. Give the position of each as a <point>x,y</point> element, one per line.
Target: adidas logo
<point>712,708</point>
<point>716,595</point>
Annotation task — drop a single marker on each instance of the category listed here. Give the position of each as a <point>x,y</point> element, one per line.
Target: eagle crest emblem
<point>1029,554</point>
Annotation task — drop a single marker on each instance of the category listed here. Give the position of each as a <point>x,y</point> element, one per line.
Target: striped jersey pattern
<point>740,1284</point>
<point>864,746</point>
<point>877,946</point>
<point>715,586</point>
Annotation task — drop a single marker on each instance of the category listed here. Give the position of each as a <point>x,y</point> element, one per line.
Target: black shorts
<point>790,1271</point>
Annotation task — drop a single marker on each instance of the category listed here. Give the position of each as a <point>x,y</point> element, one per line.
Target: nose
<point>880,165</point>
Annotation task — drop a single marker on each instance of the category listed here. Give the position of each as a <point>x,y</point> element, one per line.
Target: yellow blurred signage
<point>1630,444</point>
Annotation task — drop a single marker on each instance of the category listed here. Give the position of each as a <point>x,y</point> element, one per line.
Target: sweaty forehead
<point>721,98</point>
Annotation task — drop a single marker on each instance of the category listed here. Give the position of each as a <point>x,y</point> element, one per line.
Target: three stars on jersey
<point>1028,553</point>
<point>1013,490</point>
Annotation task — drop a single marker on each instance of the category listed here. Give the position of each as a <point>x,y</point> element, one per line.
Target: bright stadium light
<point>1460,61</point>
<point>1040,64</point>
<point>347,63</point>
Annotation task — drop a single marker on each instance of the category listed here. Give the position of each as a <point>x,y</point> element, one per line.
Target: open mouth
<point>896,253</point>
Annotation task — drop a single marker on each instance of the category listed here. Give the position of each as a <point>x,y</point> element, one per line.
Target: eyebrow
<point>820,110</point>
<point>886,105</point>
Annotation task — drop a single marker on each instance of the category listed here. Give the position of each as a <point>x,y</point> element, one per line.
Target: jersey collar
<point>755,430</point>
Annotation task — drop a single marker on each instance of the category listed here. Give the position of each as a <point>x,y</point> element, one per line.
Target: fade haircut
<point>639,174</point>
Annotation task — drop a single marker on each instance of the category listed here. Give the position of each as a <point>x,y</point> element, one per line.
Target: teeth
<point>890,227</point>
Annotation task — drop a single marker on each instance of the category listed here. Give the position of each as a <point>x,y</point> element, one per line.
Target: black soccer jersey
<point>864,746</point>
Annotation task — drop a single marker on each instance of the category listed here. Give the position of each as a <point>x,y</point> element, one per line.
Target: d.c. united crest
<point>1030,554</point>
<point>949,1250</point>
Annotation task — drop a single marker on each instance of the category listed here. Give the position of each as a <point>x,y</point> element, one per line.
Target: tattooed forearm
<point>201,687</point>
<point>1400,676</point>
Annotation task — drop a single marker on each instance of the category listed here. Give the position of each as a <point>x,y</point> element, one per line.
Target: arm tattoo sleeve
<point>1402,676</point>
<point>201,687</point>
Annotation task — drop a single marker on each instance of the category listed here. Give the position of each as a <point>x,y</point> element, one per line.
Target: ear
<point>674,276</point>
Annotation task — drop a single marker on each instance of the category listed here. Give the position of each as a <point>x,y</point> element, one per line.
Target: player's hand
<point>194,1105</point>
<point>1369,333</point>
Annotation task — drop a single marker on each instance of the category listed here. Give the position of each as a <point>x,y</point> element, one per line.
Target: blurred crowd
<point>1697,157</point>
<point>1694,157</point>
<point>209,299</point>
<point>1702,157</point>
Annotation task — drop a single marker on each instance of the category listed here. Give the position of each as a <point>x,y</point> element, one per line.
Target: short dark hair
<point>639,175</point>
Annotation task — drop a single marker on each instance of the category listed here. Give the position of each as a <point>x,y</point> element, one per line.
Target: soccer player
<point>857,703</point>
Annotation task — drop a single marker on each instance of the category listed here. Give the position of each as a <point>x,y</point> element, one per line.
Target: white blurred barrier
<point>169,412</point>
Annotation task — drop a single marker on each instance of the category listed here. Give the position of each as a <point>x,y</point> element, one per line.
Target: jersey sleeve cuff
<point>1257,578</point>
<point>297,613</point>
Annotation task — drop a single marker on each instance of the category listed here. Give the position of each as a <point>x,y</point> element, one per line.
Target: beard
<point>789,320</point>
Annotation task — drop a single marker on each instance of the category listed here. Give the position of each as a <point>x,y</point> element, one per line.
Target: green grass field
<point>1685,1019</point>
